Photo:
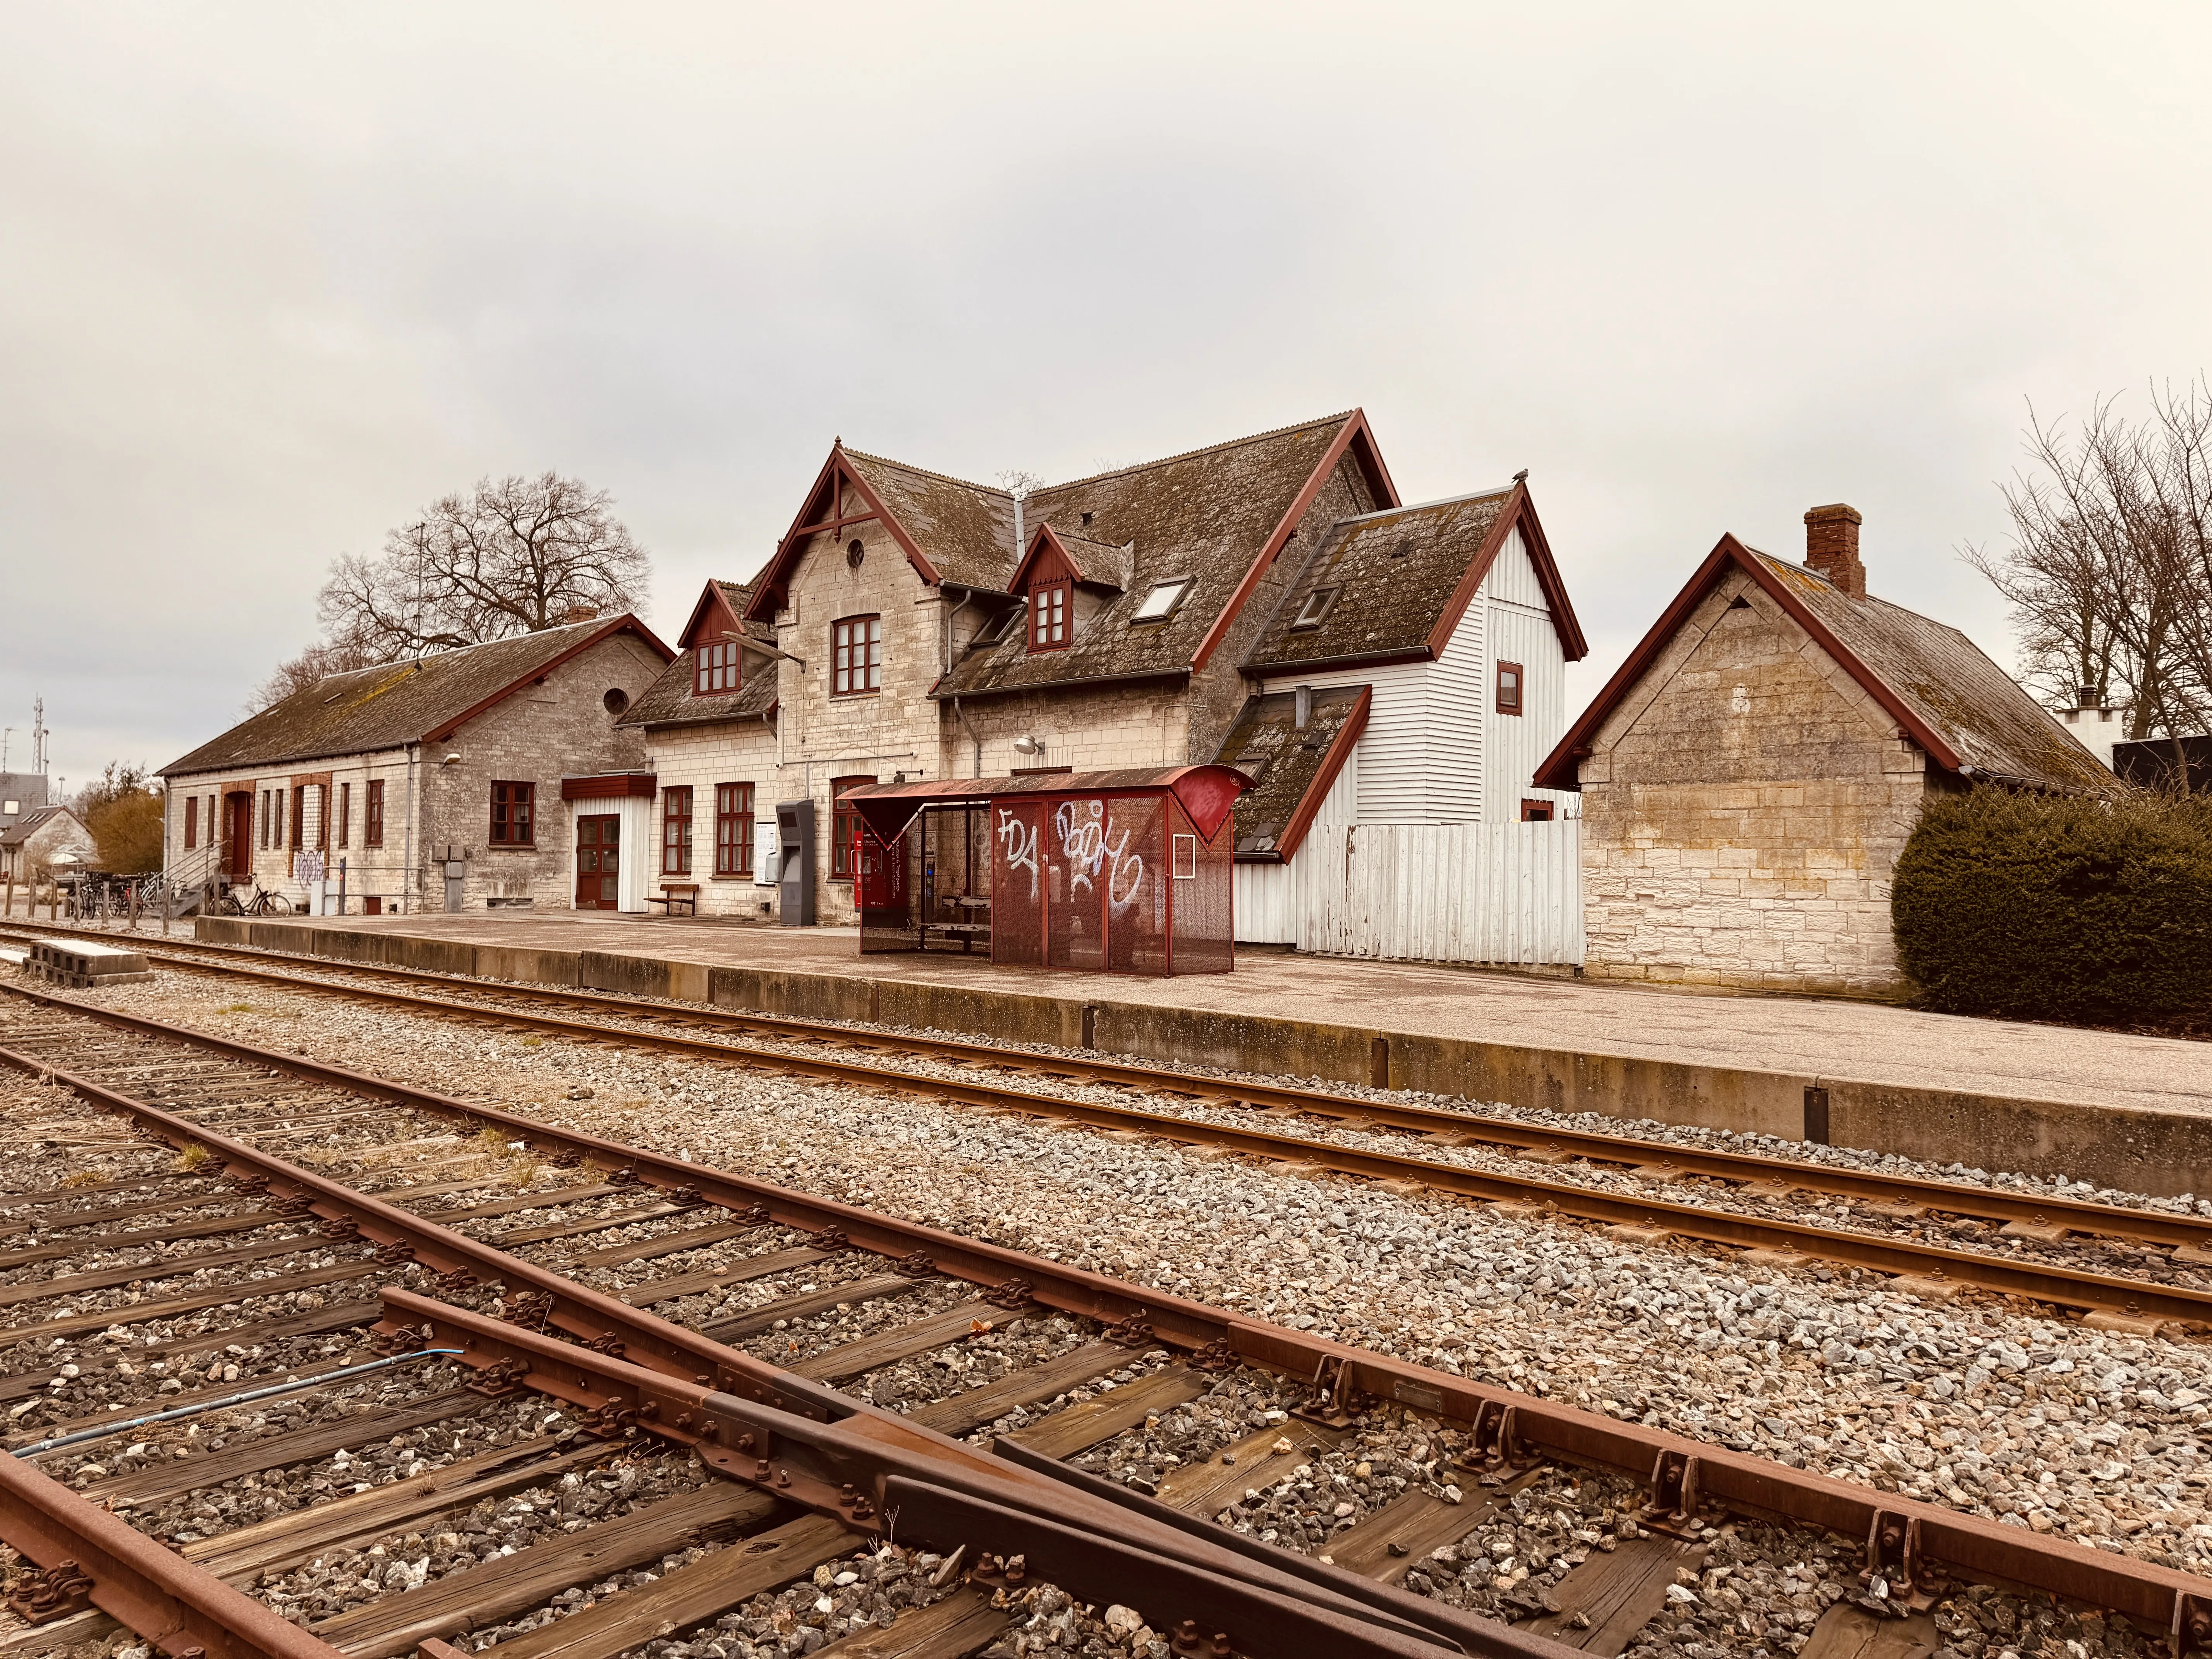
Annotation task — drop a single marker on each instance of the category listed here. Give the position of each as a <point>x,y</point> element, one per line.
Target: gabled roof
<point>421,701</point>
<point>1291,768</point>
<point>672,698</point>
<point>1971,717</point>
<point>1097,563</point>
<point>1217,517</point>
<point>35,820</point>
<point>1405,576</point>
<point>725,601</point>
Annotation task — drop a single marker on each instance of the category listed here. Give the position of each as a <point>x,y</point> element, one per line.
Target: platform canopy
<point>1206,792</point>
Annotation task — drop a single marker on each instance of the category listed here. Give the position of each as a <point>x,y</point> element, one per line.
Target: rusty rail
<point>92,1559</point>
<point>2069,1287</point>
<point>1748,1169</point>
<point>1904,1536</point>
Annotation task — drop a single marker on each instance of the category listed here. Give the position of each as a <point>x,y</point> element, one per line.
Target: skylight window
<point>1164,599</point>
<point>1318,605</point>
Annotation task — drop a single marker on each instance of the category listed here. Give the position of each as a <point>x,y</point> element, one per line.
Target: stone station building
<point>1200,609</point>
<point>1751,773</point>
<point>466,778</point>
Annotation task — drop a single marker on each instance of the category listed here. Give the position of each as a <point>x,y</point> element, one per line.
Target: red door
<point>598,862</point>
<point>241,835</point>
<point>883,870</point>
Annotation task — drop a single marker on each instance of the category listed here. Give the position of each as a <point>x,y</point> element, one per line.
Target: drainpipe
<point>972,737</point>
<point>407,853</point>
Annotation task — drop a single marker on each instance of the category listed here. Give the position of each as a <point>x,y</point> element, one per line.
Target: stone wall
<point>1742,810</point>
<point>700,757</point>
<point>561,725</point>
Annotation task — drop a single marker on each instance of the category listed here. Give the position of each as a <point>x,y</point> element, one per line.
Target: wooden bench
<point>673,894</point>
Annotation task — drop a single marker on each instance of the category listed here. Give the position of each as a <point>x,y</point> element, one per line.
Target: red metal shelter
<point>1125,872</point>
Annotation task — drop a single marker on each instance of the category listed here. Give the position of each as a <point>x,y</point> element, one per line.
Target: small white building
<point>1411,679</point>
<point>44,841</point>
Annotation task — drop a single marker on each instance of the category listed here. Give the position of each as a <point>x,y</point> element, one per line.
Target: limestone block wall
<point>1742,810</point>
<point>561,726</point>
<point>700,757</point>
<point>1088,731</point>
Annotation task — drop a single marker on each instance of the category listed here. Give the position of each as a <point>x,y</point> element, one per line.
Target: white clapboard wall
<point>1508,893</point>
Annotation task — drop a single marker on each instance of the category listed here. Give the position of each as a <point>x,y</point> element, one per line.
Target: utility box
<point>457,881</point>
<point>794,830</point>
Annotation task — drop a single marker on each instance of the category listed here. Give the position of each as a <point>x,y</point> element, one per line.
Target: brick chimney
<point>584,613</point>
<point>1831,547</point>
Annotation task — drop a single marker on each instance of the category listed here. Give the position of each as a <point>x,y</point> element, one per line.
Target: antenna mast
<point>39,736</point>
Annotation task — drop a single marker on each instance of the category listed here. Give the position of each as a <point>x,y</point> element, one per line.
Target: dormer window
<point>715,674</point>
<point>1048,617</point>
<point>1316,610</point>
<point>1164,599</point>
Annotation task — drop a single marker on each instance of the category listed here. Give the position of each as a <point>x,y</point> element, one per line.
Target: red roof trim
<point>689,640</point>
<point>1324,779</point>
<point>769,587</point>
<point>1562,768</point>
<point>622,624</point>
<point>1044,544</point>
<point>1355,437</point>
<point>1519,510</point>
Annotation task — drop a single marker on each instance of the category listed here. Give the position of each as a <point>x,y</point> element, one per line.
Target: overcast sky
<point>273,278</point>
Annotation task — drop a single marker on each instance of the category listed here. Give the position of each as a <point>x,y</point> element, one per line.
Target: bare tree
<point>2110,570</point>
<point>513,556</point>
<point>298,674</point>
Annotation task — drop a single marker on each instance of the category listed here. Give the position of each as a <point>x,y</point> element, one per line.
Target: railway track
<point>2141,1270</point>
<point>579,1308</point>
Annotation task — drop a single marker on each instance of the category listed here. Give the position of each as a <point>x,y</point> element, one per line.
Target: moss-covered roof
<point>398,703</point>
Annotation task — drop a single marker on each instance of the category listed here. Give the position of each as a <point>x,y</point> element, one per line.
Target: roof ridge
<point>1111,472</point>
<point>1440,501</point>
<point>1203,449</point>
<point>460,650</point>
<point>1869,599</point>
<point>908,466</point>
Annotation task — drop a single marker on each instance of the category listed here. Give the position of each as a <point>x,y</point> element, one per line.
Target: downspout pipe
<point>973,738</point>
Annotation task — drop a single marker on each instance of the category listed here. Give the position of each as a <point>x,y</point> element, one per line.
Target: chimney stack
<point>583,613</point>
<point>1831,547</point>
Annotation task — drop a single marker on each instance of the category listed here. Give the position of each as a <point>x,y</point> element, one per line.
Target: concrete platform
<point>2120,1110</point>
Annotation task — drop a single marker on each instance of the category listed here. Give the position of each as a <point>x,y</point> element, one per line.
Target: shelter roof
<point>417,700</point>
<point>1971,717</point>
<point>1292,767</point>
<point>1206,793</point>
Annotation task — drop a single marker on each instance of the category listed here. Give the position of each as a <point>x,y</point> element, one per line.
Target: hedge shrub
<point>2036,907</point>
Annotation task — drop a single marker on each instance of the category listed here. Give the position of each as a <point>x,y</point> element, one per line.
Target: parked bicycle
<point>263,903</point>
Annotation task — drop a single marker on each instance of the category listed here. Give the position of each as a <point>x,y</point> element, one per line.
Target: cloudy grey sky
<point>271,278</point>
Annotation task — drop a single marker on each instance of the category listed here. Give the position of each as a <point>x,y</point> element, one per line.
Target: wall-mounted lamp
<point>450,760</point>
<point>1028,745</point>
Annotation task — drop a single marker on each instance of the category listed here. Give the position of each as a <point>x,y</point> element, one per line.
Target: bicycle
<point>263,903</point>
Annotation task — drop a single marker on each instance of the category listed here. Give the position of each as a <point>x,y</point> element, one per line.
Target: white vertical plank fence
<point>1507,893</point>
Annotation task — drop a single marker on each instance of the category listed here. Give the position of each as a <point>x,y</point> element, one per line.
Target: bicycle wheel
<point>278,905</point>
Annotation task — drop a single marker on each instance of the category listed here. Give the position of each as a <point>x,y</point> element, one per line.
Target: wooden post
<point>9,909</point>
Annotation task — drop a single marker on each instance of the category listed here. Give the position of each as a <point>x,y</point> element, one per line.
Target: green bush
<point>2036,907</point>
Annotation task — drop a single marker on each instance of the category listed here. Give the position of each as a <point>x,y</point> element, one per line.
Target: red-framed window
<point>372,814</point>
<point>733,828</point>
<point>191,821</point>
<point>1508,688</point>
<point>299,819</point>
<point>676,831</point>
<point>515,815</point>
<point>714,673</point>
<point>1537,811</point>
<point>844,827</point>
<point>261,830</point>
<point>1048,617</point>
<point>345,814</point>
<point>856,656</point>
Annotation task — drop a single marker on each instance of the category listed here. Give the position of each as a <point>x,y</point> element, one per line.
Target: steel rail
<point>93,1557</point>
<point>1743,1169</point>
<point>1210,1579</point>
<point>2068,1287</point>
<point>1506,1422</point>
<point>840,1468</point>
